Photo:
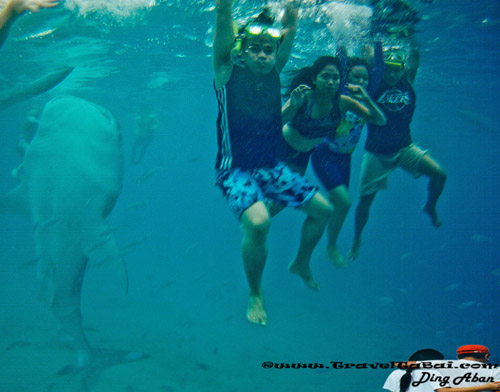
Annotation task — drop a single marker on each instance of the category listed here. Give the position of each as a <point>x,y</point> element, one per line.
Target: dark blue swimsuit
<point>312,128</point>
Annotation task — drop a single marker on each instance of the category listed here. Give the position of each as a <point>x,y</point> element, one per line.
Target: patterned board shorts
<point>243,188</point>
<point>375,168</point>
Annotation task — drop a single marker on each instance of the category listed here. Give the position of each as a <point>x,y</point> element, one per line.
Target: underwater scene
<point>121,261</point>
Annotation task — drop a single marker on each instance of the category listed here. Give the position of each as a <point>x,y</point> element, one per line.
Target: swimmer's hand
<point>299,95</point>
<point>358,92</point>
<point>290,18</point>
<point>20,6</point>
<point>492,386</point>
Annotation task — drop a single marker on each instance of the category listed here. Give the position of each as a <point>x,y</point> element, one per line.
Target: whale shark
<point>70,179</point>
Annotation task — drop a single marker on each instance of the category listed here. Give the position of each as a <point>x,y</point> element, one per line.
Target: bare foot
<point>433,215</point>
<point>305,274</point>
<point>255,312</point>
<point>336,257</point>
<point>354,252</point>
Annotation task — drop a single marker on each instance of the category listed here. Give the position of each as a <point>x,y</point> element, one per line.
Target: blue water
<point>413,286</point>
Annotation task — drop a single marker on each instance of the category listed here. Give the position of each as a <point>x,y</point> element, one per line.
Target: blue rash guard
<point>398,105</point>
<point>249,121</point>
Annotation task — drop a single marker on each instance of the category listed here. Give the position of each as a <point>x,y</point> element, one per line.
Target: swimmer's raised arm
<point>378,68</point>
<point>293,104</point>
<point>289,21</point>
<point>14,8</point>
<point>366,109</point>
<point>223,42</point>
<point>412,63</point>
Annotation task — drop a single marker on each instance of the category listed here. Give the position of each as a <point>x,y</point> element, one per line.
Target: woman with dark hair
<point>314,111</point>
<point>331,159</point>
<point>315,108</point>
<point>416,379</point>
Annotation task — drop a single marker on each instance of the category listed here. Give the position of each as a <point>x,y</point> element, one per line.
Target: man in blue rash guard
<point>248,171</point>
<point>390,146</point>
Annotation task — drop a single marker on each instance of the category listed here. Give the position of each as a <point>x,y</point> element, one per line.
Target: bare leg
<point>362,214</point>
<point>341,202</point>
<point>319,212</point>
<point>437,179</point>
<point>255,222</point>
<point>274,208</point>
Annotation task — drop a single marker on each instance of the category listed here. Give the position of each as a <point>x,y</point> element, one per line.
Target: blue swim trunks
<point>243,188</point>
<point>331,168</point>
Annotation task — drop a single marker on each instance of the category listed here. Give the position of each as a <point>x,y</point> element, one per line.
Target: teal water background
<point>413,286</point>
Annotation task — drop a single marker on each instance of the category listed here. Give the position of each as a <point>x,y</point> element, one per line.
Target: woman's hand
<point>299,95</point>
<point>290,17</point>
<point>20,6</point>
<point>358,92</point>
<point>492,386</point>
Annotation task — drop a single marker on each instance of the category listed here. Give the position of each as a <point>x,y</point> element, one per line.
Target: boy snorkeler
<point>390,146</point>
<point>249,124</point>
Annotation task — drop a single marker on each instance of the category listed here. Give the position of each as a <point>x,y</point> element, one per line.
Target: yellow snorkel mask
<point>253,30</point>
<point>394,56</point>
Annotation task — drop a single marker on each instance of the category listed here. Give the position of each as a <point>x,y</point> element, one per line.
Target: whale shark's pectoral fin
<point>14,201</point>
<point>105,249</point>
<point>27,90</point>
<point>99,361</point>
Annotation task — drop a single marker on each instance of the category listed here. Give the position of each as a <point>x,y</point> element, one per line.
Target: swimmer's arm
<point>288,111</point>
<point>377,72</point>
<point>14,8</point>
<point>297,98</point>
<point>341,54</point>
<point>368,109</point>
<point>491,386</point>
<point>7,18</point>
<point>289,21</point>
<point>223,42</point>
<point>412,64</point>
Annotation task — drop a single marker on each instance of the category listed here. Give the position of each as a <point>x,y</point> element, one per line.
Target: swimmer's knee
<point>441,175</point>
<point>367,199</point>
<point>256,219</point>
<point>342,203</point>
<point>258,225</point>
<point>319,209</point>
